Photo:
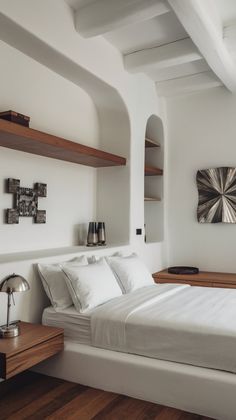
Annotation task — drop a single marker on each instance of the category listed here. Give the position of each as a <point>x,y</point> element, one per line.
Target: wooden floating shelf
<point>151,143</point>
<point>152,199</point>
<point>24,139</point>
<point>152,171</point>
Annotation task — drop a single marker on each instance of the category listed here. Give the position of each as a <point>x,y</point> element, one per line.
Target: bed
<point>170,344</point>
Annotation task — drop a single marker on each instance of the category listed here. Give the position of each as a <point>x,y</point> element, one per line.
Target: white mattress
<point>179,323</point>
<point>76,326</point>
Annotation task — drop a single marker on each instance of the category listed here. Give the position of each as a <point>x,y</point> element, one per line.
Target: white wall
<point>101,59</point>
<point>57,106</point>
<point>201,134</point>
<point>45,32</point>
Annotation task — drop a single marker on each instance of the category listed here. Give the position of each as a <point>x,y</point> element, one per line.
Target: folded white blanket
<point>180,323</point>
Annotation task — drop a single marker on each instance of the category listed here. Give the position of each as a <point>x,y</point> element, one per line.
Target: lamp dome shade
<point>14,283</point>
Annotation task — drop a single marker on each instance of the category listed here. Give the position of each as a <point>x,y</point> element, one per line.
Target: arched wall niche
<point>114,126</point>
<point>113,184</point>
<point>153,185</point>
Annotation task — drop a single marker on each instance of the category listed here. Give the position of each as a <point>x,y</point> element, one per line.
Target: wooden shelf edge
<point>17,137</point>
<point>151,143</point>
<point>152,199</point>
<point>152,171</point>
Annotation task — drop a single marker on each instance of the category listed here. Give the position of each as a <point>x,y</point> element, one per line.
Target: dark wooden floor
<point>33,396</point>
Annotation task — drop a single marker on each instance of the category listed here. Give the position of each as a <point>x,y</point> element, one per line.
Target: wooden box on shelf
<point>15,117</point>
<point>34,344</point>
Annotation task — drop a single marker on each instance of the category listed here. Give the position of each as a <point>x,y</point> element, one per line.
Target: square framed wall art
<point>216,195</point>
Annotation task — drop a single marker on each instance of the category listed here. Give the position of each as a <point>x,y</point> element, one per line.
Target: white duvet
<point>180,323</point>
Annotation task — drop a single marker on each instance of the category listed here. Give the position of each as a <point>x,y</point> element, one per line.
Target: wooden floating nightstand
<point>203,279</point>
<point>34,344</point>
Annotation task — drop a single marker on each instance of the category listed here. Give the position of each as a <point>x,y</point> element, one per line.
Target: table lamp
<point>11,284</point>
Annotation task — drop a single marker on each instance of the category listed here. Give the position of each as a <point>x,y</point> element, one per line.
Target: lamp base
<point>9,332</point>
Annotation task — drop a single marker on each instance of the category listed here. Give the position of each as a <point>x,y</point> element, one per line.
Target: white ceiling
<point>76,4</point>
<point>152,32</point>
<point>227,10</point>
<point>175,42</point>
<point>175,72</point>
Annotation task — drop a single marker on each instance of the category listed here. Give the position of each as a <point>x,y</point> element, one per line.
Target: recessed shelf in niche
<point>152,199</point>
<point>152,171</point>
<point>15,136</point>
<point>151,143</point>
<point>153,181</point>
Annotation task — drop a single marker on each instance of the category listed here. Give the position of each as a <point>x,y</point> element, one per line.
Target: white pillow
<point>53,279</point>
<point>94,258</point>
<point>124,253</point>
<point>91,285</point>
<point>130,272</point>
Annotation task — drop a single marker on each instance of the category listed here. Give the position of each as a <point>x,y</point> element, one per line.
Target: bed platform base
<point>198,390</point>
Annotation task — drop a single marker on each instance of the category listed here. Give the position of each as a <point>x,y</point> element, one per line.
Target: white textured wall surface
<point>56,106</point>
<point>60,107</point>
<point>201,134</point>
<point>98,57</point>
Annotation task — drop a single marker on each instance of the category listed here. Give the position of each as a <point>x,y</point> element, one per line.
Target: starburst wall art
<point>217,195</point>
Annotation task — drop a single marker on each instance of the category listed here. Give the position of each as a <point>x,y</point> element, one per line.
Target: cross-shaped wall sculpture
<point>25,202</point>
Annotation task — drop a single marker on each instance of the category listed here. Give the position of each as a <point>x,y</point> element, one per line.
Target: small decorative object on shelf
<point>92,238</point>
<point>11,284</point>
<point>15,117</point>
<point>25,202</point>
<point>101,233</point>
<point>183,270</point>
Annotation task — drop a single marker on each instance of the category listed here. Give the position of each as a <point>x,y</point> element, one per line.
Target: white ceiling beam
<point>184,85</point>
<point>175,53</point>
<point>182,70</point>
<point>102,16</point>
<point>199,19</point>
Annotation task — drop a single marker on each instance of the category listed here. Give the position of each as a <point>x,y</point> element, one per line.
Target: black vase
<point>101,233</point>
<point>92,238</point>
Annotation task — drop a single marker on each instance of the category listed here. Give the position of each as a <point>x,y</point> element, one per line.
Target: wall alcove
<point>75,104</point>
<point>153,180</point>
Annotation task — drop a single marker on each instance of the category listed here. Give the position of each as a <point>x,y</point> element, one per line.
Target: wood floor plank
<point>56,404</point>
<point>168,413</point>
<point>131,408</point>
<point>105,412</point>
<point>151,412</point>
<point>18,398</point>
<point>77,404</point>
<point>21,380</point>
<point>191,416</point>
<point>49,402</point>
<point>94,407</point>
<point>31,396</point>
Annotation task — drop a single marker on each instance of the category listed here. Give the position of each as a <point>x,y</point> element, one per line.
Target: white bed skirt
<point>199,390</point>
